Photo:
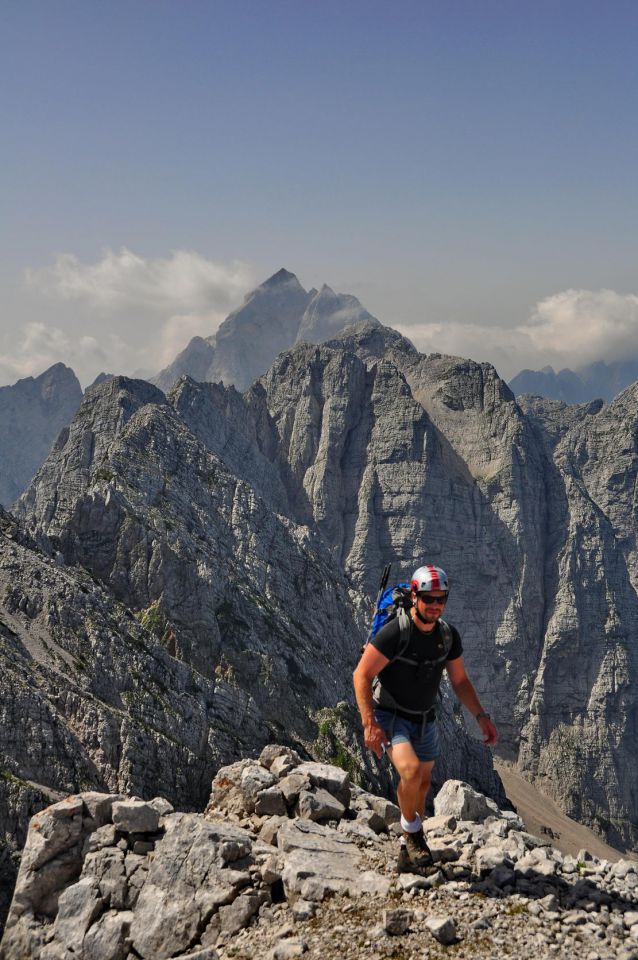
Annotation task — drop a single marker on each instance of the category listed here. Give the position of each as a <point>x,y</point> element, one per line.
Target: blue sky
<point>456,165</point>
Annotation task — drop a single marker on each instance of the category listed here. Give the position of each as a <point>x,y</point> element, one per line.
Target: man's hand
<point>490,733</point>
<point>375,738</point>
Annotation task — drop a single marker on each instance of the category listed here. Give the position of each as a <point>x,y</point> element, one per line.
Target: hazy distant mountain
<point>32,413</point>
<point>598,380</point>
<point>275,316</point>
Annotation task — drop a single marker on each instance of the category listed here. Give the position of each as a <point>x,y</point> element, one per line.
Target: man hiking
<point>396,683</point>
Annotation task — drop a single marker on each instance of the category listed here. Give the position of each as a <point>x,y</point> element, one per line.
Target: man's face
<point>430,604</point>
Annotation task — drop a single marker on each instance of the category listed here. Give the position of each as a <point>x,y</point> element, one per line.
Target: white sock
<point>411,827</point>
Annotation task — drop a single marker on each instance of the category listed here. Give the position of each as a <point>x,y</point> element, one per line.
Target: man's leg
<point>413,786</point>
<point>414,783</point>
<point>426,777</point>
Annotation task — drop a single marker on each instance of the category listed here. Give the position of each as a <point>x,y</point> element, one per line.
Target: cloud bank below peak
<point>122,313</point>
<point>572,329</point>
<point>130,314</point>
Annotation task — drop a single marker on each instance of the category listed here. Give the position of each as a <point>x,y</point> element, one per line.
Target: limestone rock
<point>135,816</point>
<point>397,921</point>
<point>460,800</point>
<point>319,805</point>
<point>442,929</point>
<point>210,885</point>
<point>332,779</point>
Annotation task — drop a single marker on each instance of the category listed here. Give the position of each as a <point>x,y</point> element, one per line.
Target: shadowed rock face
<point>32,413</point>
<point>272,318</point>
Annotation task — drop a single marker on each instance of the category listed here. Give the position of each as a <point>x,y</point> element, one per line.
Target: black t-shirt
<point>414,687</point>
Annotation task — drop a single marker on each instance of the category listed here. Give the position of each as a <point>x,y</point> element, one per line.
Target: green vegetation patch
<point>154,619</point>
<point>331,745</point>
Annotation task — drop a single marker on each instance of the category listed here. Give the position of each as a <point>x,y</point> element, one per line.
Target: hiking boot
<point>404,864</point>
<point>417,850</point>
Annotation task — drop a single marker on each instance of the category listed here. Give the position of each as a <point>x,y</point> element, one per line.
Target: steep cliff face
<point>584,708</point>
<point>526,510</point>
<point>548,474</point>
<point>602,450</point>
<point>32,413</point>
<point>135,497</point>
<point>436,462</point>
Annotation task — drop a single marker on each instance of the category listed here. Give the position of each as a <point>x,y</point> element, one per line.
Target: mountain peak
<point>282,276</point>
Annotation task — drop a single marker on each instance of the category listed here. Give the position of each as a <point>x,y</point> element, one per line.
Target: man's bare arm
<point>465,692</point>
<point>370,664</point>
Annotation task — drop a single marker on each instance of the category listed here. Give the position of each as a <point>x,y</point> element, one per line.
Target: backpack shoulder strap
<point>448,637</point>
<point>405,628</point>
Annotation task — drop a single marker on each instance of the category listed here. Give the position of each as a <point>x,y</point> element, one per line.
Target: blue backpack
<point>390,604</point>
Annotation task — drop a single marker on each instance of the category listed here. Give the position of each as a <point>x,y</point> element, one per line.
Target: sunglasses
<point>427,598</point>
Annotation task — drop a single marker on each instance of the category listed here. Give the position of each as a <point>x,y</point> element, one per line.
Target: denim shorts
<point>423,737</point>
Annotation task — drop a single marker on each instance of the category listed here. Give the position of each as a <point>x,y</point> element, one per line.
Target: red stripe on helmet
<point>434,574</point>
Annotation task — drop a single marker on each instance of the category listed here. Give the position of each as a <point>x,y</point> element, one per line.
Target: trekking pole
<point>385,576</point>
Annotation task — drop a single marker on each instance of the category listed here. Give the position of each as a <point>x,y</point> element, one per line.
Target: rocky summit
<point>273,317</point>
<point>291,859</point>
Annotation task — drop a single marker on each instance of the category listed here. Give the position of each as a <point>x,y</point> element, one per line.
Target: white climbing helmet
<point>429,577</point>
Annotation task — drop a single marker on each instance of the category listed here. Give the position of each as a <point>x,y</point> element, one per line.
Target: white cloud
<point>123,313</point>
<point>582,326</point>
<point>185,281</point>
<point>41,345</point>
<point>568,329</point>
<point>502,347</point>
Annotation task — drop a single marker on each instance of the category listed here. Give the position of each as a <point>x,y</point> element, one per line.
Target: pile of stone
<point>290,859</point>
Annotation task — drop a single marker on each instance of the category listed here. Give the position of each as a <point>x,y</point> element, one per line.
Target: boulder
<point>397,922</point>
<point>292,785</point>
<point>319,805</point>
<point>276,751</point>
<point>270,802</point>
<point>135,816</point>
<point>333,779</point>
<point>372,820</point>
<point>460,800</point>
<point>78,907</point>
<point>442,929</point>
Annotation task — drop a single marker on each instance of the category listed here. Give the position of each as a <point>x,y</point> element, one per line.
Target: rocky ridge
<point>32,413</point>
<point>291,859</point>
